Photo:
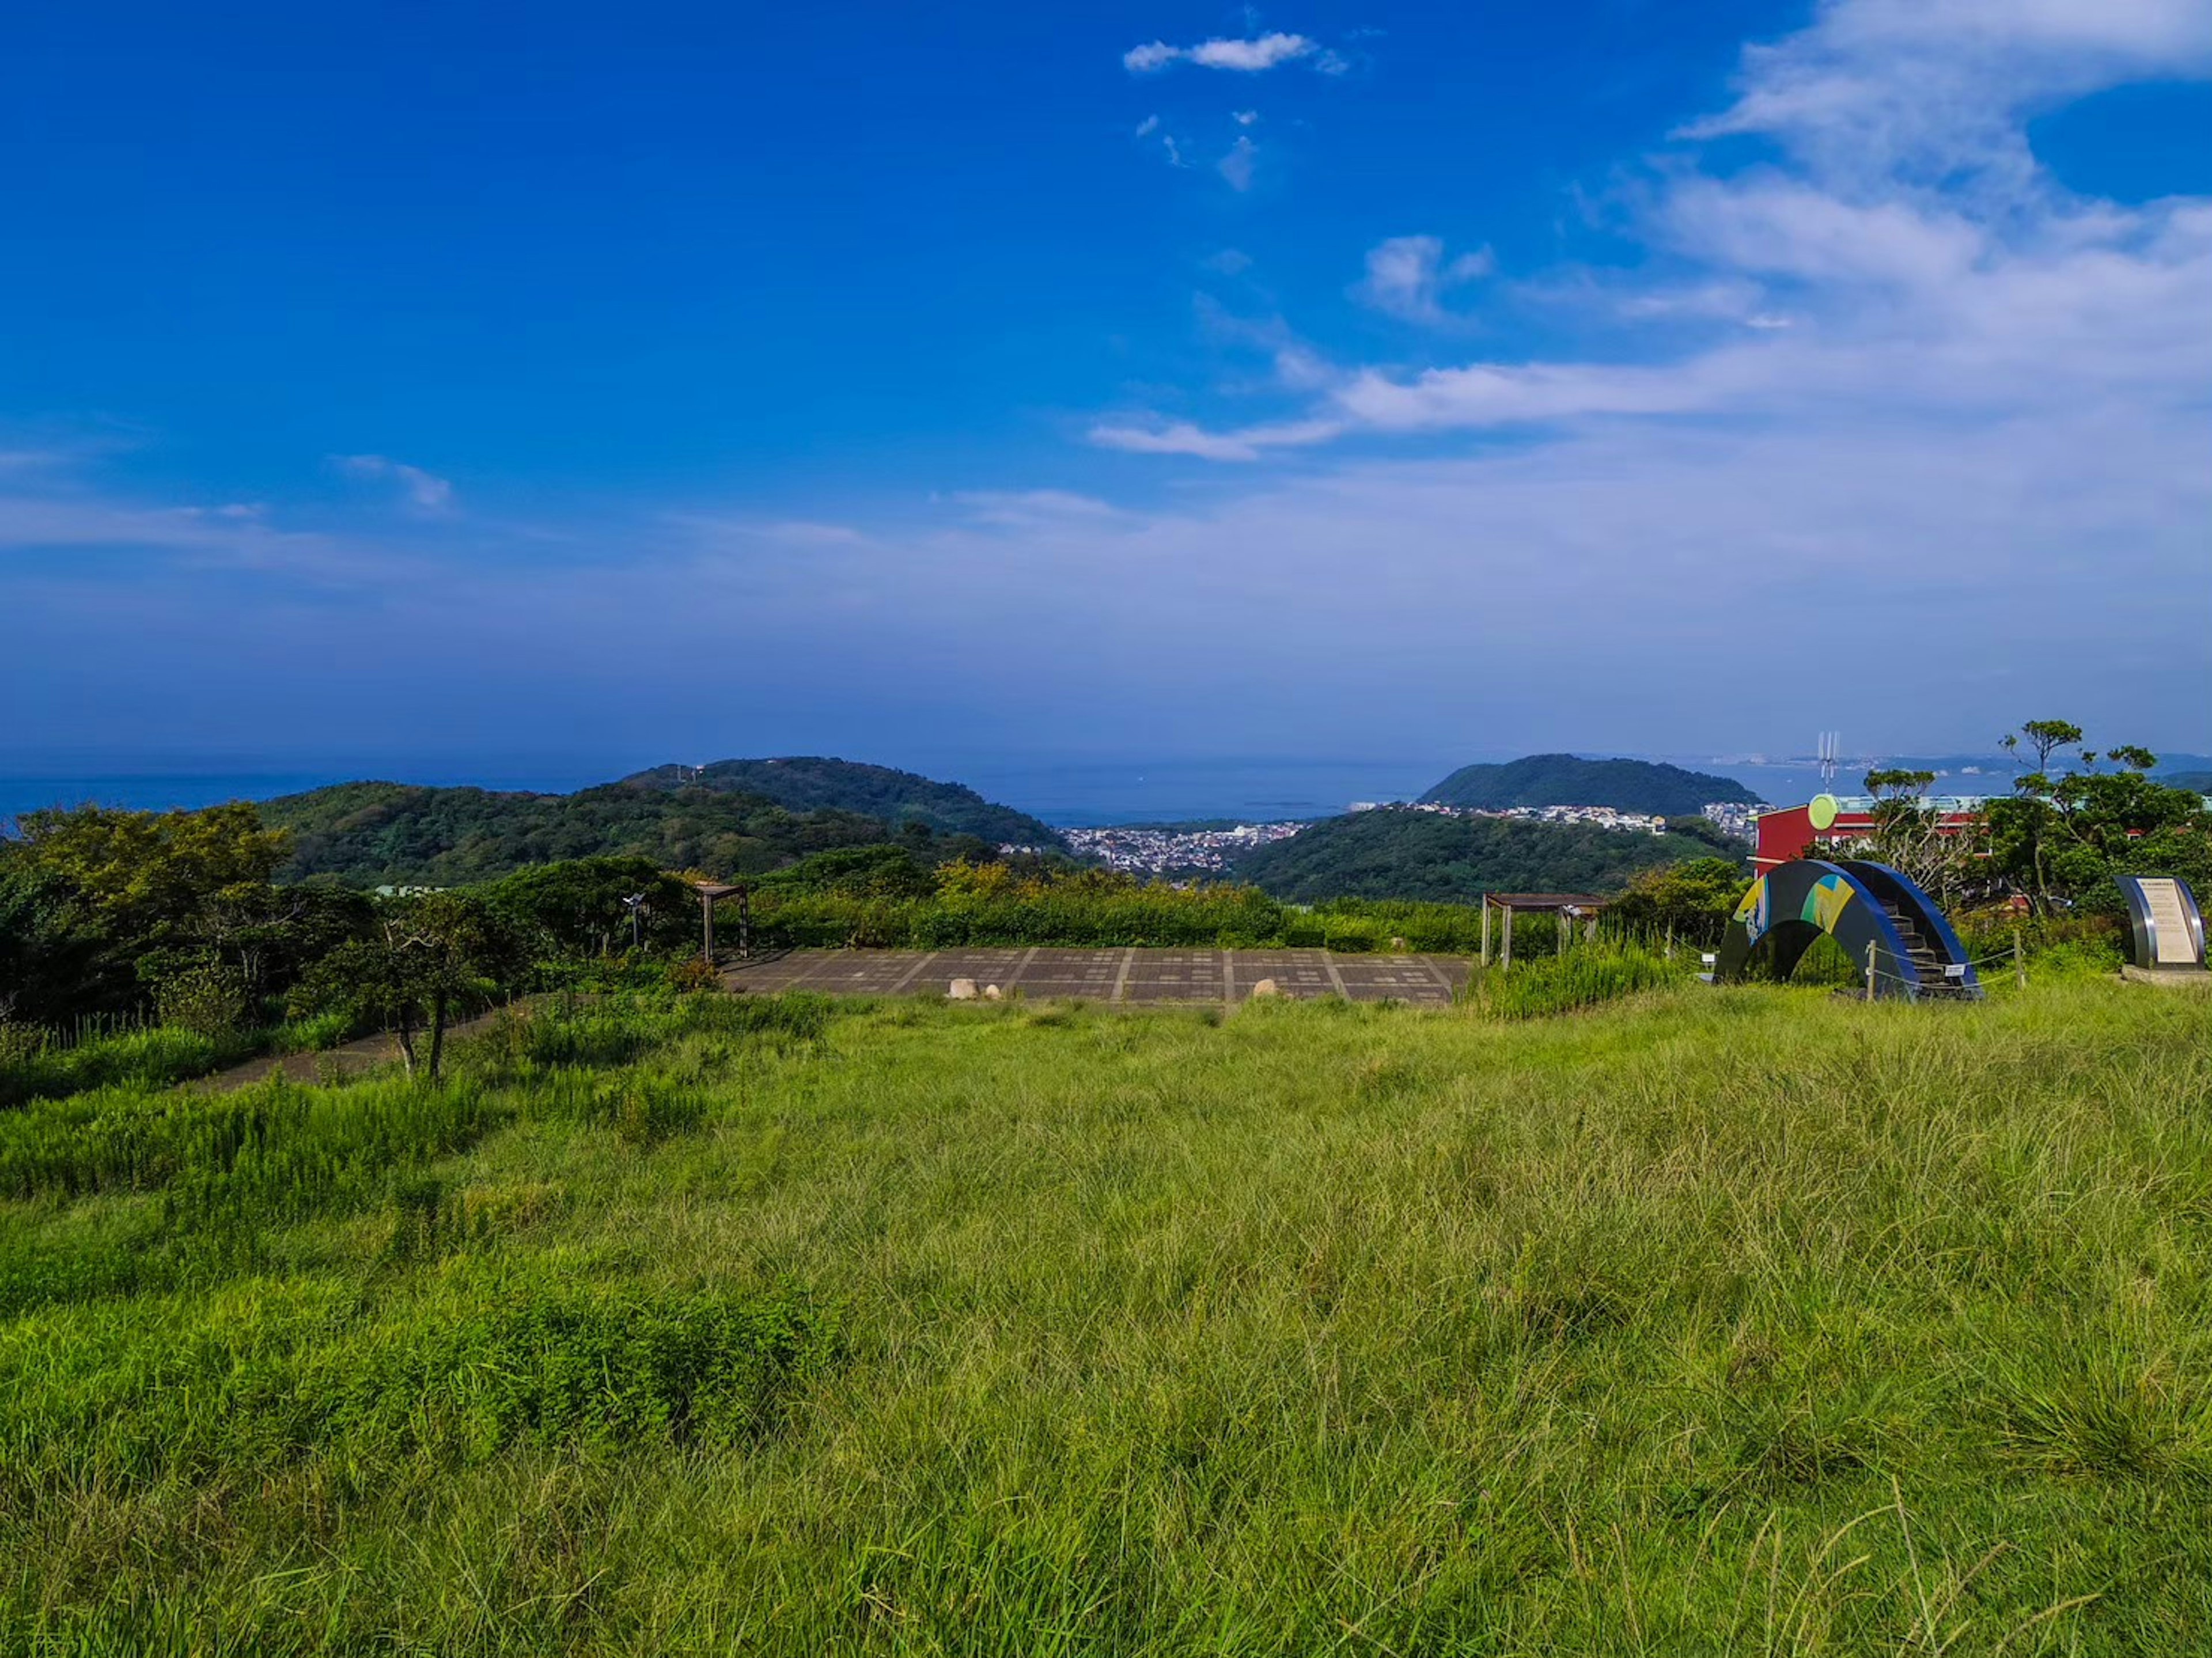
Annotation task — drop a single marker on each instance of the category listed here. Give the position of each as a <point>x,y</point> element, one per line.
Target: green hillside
<point>2199,780</point>
<point>397,833</point>
<point>1397,852</point>
<point>809,783</point>
<point>1567,779</point>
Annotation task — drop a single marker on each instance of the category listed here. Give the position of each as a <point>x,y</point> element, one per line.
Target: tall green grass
<point>1745,1320</point>
<point>1590,973</point>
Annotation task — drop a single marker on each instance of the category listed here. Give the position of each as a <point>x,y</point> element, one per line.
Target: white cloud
<point>1251,57</point>
<point>1148,127</point>
<point>425,491</point>
<point>1406,275</point>
<point>1184,438</point>
<point>1847,291</point>
<point>1244,118</point>
<point>1929,89</point>
<point>1237,165</point>
<point>1036,510</point>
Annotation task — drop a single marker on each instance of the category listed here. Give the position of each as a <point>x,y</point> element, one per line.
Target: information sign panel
<point>2168,927</point>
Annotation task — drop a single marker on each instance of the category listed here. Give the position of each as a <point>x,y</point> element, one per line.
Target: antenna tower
<point>1832,744</point>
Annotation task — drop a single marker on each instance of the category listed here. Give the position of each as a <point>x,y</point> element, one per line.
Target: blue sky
<point>589,386</point>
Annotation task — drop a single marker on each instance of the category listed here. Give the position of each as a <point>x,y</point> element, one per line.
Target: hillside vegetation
<point>1567,779</point>
<point>1745,1322</point>
<point>809,783</point>
<point>1395,853</point>
<point>397,832</point>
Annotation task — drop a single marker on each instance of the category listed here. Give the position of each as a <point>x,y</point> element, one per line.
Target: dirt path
<point>351,1059</point>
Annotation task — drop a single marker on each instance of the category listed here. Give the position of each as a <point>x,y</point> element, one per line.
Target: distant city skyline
<point>553,396</point>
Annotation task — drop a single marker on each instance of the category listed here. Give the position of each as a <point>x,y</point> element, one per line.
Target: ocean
<point>1067,794</point>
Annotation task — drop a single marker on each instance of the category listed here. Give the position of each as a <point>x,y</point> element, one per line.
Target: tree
<point>164,892</point>
<point>53,955</point>
<point>1912,838</point>
<point>2062,839</point>
<point>428,955</point>
<point>153,872</point>
<point>585,904</point>
<point>1693,899</point>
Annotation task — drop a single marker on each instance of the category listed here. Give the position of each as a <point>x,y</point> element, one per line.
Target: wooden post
<point>707,928</point>
<point>1566,932</point>
<point>1485,929</point>
<point>2019,960</point>
<point>1871,969</point>
<point>745,922</point>
<point>1670,941</point>
<point>1505,956</point>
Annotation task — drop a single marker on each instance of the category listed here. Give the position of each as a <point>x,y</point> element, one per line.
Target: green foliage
<point>54,949</point>
<point>1586,975</point>
<point>34,1064</point>
<point>1567,779</point>
<point>2061,839</point>
<point>152,872</point>
<point>581,907</point>
<point>1392,853</point>
<point>809,783</point>
<point>993,903</point>
<point>209,1000</point>
<point>1694,900</point>
<point>431,956</point>
<point>393,834</point>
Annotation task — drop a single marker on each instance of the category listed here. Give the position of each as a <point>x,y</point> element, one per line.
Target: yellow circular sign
<point>1823,812</point>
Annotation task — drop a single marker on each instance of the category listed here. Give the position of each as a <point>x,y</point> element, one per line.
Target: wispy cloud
<point>1244,57</point>
<point>1906,267</point>
<point>425,491</point>
<point>1238,165</point>
<point>1408,275</point>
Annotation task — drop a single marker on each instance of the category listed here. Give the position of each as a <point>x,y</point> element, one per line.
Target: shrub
<point>208,1000</point>
<point>694,973</point>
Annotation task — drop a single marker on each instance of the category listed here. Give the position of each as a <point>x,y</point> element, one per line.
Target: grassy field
<point>1753,1321</point>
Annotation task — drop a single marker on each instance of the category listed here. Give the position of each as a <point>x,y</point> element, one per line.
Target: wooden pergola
<point>1568,907</point>
<point>712,893</point>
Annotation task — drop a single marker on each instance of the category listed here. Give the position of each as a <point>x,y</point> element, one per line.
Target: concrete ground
<point>1108,975</point>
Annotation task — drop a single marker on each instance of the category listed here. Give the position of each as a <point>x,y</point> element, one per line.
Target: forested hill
<point>1400,853</point>
<point>1567,779</point>
<point>394,833</point>
<point>809,783</point>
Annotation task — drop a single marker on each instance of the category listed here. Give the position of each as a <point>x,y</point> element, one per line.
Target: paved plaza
<point>1110,976</point>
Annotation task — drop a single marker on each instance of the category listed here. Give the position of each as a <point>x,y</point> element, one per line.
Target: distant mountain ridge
<point>711,819</point>
<point>1568,780</point>
<point>401,833</point>
<point>814,783</point>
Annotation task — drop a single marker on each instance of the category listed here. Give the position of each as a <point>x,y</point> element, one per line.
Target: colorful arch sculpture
<point>1917,957</point>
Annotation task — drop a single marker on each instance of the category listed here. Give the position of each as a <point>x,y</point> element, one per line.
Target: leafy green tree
<point>1693,899</point>
<point>154,874</point>
<point>430,956</point>
<point>2061,839</point>
<point>595,905</point>
<point>54,954</point>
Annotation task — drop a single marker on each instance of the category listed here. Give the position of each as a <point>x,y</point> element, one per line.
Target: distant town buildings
<point>1161,851</point>
<point>1607,817</point>
<point>1735,818</point>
